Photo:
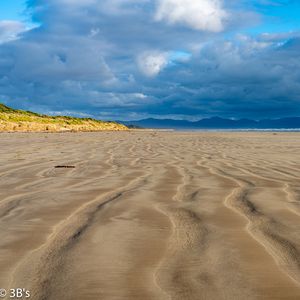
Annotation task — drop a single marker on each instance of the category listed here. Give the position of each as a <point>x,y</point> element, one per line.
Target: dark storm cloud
<point>122,59</point>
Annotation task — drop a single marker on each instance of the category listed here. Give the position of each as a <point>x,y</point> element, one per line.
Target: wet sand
<point>150,215</point>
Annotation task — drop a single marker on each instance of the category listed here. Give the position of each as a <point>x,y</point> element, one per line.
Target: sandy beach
<point>150,215</point>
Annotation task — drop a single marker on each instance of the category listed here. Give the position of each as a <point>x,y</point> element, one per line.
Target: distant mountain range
<point>217,123</point>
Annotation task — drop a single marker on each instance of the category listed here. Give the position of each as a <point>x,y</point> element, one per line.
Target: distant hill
<point>218,123</point>
<point>20,120</point>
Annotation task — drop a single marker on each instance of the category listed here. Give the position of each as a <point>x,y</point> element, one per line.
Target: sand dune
<point>150,215</point>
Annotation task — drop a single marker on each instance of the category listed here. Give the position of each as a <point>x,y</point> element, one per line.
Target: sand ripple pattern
<point>151,215</point>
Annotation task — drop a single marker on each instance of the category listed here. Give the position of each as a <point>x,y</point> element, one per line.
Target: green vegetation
<point>20,120</point>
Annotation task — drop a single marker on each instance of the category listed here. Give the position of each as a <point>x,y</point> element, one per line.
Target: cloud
<point>9,30</point>
<point>151,63</point>
<point>207,15</point>
<point>112,59</point>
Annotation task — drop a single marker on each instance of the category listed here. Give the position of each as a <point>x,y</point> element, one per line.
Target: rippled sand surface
<point>150,215</point>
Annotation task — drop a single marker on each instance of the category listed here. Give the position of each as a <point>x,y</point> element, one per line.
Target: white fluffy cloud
<point>9,30</point>
<point>151,63</point>
<point>88,57</point>
<point>206,15</point>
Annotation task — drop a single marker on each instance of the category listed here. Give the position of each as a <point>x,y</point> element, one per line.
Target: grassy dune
<point>19,120</point>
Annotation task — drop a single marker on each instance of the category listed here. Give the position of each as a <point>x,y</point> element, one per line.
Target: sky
<point>135,59</point>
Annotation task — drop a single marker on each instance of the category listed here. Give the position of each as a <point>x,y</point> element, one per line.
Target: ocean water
<point>239,130</point>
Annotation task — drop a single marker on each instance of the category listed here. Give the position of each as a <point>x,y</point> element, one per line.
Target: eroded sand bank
<point>150,215</point>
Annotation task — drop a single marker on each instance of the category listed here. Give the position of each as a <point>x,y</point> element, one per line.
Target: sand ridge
<point>150,215</point>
